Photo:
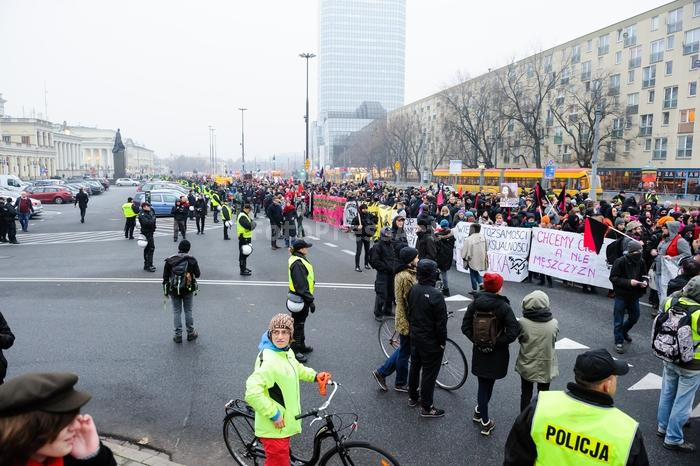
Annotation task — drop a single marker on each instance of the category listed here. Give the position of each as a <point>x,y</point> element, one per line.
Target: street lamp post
<point>306,116</point>
<point>242,109</point>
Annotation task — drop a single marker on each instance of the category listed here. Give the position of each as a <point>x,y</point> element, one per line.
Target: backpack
<point>672,335</point>
<point>486,331</point>
<point>181,281</point>
<point>614,251</point>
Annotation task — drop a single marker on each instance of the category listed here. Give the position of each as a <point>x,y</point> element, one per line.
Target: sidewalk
<point>129,454</point>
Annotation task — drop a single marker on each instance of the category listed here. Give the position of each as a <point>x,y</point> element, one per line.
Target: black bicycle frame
<point>324,432</point>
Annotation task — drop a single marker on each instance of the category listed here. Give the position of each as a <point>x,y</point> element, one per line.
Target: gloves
<point>312,308</point>
<point>322,379</point>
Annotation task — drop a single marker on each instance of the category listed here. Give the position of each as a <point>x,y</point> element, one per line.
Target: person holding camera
<point>629,284</point>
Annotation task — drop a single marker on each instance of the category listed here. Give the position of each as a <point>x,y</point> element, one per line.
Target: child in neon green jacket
<point>272,390</point>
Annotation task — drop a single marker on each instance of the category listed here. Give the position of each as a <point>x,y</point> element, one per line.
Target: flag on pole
<point>476,203</point>
<point>594,234</point>
<point>562,200</point>
<point>460,192</point>
<point>440,198</point>
<point>539,194</point>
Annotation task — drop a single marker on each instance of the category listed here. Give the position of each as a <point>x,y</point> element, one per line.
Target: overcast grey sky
<point>163,70</point>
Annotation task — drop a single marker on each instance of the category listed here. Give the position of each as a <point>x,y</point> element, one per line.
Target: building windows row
<point>659,147</point>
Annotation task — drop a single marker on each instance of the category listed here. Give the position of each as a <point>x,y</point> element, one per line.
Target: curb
<point>130,454</point>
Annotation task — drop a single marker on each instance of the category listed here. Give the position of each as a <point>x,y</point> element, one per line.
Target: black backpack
<point>181,281</point>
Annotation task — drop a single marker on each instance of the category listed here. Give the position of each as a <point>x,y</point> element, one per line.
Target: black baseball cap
<point>300,244</point>
<point>596,365</point>
<point>47,392</point>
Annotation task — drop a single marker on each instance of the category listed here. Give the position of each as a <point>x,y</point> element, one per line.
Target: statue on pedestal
<point>119,157</point>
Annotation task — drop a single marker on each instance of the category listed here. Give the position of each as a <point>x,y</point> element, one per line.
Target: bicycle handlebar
<point>324,406</point>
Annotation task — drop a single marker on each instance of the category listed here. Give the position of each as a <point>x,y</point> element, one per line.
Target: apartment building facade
<point>642,72</point>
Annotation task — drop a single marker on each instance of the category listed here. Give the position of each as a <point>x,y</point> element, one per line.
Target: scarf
<point>538,315</point>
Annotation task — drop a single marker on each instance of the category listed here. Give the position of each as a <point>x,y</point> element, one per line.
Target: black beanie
<point>184,246</point>
<point>407,254</point>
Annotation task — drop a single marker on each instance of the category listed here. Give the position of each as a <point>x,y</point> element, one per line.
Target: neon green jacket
<point>273,389</point>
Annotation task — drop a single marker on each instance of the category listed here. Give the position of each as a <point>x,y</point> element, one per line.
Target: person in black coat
<point>81,201</point>
<point>299,275</point>
<point>147,222</point>
<point>179,213</point>
<point>274,213</point>
<point>628,277</point>
<point>200,213</point>
<point>490,362</point>
<point>383,259</point>
<point>427,319</point>
<point>425,242</point>
<point>7,339</point>
<point>364,227</point>
<point>8,230</point>
<point>445,243</point>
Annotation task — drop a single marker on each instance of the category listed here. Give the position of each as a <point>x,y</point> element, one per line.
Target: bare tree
<point>525,89</point>
<point>574,111</point>
<point>408,141</point>
<point>474,121</point>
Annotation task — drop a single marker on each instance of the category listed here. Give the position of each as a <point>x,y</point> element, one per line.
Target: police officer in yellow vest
<point>227,216</point>
<point>244,231</point>
<point>215,204</point>
<point>301,283</point>
<point>681,379</point>
<point>130,213</point>
<point>580,426</point>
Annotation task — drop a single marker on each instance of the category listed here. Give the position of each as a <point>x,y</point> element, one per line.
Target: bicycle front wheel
<point>357,454</point>
<point>240,439</point>
<point>388,336</point>
<point>454,368</point>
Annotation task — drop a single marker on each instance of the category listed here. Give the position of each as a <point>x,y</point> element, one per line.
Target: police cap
<point>596,365</point>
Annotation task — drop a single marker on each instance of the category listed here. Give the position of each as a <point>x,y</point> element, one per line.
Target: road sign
<point>307,164</point>
<point>397,165</point>
<point>550,170</point>
<point>455,167</point>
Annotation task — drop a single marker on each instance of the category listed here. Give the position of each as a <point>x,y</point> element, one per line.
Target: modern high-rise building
<point>361,61</point>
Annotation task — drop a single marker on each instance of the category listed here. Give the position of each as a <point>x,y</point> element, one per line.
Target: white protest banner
<point>669,270</point>
<point>409,228</point>
<point>561,254</point>
<point>507,249</point>
<point>455,167</point>
<point>349,213</point>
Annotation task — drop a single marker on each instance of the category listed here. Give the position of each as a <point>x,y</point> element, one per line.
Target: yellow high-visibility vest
<point>568,431</point>
<point>128,210</point>
<point>240,230</point>
<point>309,269</point>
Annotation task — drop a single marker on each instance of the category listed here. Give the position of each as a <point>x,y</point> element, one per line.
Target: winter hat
<point>692,289</point>
<point>468,213</point>
<point>493,282</point>
<point>407,254</point>
<point>427,269</point>
<point>619,221</point>
<point>632,225</point>
<point>537,300</point>
<point>546,220</point>
<point>662,221</point>
<point>634,246</point>
<point>444,223</point>
<point>282,321</point>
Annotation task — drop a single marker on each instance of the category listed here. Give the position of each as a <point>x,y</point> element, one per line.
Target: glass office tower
<point>361,60</point>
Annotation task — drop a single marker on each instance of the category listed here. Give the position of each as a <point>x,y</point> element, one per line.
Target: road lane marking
<point>566,343</point>
<point>331,245</point>
<point>650,381</point>
<point>315,238</point>
<point>348,252</point>
<point>350,286</point>
<point>457,297</point>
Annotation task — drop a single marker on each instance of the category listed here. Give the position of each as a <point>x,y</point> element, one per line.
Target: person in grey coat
<point>537,359</point>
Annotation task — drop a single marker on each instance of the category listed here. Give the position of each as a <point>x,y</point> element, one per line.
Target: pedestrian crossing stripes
<point>165,228</point>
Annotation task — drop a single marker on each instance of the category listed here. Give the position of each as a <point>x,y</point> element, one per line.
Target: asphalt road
<point>78,300</point>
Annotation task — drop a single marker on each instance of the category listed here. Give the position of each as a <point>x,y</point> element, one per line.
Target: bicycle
<point>454,367</point>
<point>247,450</point>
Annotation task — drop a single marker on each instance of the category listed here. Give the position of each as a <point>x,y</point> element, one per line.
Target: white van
<point>12,182</point>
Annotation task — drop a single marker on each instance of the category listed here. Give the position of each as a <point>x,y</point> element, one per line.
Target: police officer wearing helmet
<point>581,425</point>
<point>227,215</point>
<point>244,231</point>
<point>301,284</point>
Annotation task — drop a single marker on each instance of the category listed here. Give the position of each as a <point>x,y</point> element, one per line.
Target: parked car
<point>162,201</point>
<point>126,182</point>
<point>81,184</point>
<point>49,182</point>
<point>95,186</point>
<point>155,185</point>
<point>56,194</point>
